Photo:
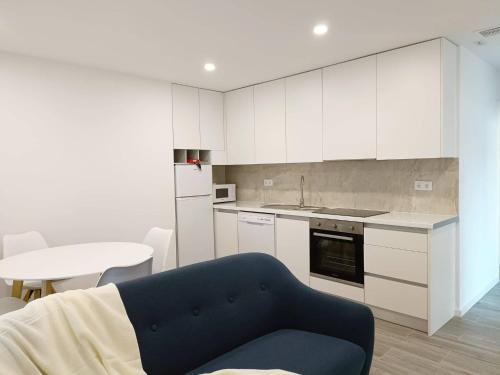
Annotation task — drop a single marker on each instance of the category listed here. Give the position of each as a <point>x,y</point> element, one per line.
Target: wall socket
<point>423,185</point>
<point>268,182</point>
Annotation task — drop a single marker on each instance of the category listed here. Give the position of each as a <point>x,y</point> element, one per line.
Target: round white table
<point>66,262</point>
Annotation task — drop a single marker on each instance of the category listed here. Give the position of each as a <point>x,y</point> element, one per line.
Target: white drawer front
<point>398,239</point>
<point>399,297</point>
<point>400,264</point>
<point>337,289</point>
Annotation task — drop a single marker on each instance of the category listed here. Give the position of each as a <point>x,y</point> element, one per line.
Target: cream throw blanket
<point>80,332</point>
<point>73,333</point>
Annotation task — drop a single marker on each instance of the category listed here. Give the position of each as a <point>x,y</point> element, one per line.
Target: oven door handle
<point>333,236</point>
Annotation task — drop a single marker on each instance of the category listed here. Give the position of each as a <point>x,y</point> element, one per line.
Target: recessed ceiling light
<point>209,67</point>
<point>320,29</point>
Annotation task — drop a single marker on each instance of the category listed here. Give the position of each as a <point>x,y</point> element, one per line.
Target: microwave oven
<point>224,193</point>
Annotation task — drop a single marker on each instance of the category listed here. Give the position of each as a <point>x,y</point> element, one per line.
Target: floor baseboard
<point>467,306</point>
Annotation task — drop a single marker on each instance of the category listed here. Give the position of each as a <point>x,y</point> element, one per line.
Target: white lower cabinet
<point>405,239</point>
<point>409,275</point>
<point>226,233</point>
<point>396,263</point>
<point>338,289</point>
<point>292,245</point>
<point>409,272</point>
<point>396,296</point>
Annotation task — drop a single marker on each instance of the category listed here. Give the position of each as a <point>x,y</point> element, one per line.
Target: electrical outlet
<point>268,182</point>
<point>423,185</point>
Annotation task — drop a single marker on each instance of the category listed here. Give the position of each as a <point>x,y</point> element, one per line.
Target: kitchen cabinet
<point>338,289</point>
<point>226,233</point>
<point>240,126</point>
<point>396,263</point>
<point>417,101</point>
<point>304,134</point>
<point>211,120</point>
<point>270,131</point>
<point>414,240</point>
<point>396,296</point>
<point>218,157</point>
<point>185,117</point>
<point>409,274</point>
<point>198,118</point>
<point>350,110</point>
<point>292,245</point>
<point>409,271</point>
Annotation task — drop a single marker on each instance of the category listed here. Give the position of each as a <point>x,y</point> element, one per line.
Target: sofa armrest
<point>333,316</point>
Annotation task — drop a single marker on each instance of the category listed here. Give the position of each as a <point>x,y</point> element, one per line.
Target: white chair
<point>14,244</point>
<point>159,239</point>
<point>121,274</point>
<point>9,304</point>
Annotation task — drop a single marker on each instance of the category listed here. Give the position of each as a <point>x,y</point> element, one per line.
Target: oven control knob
<point>319,224</point>
<point>335,226</point>
<point>352,228</point>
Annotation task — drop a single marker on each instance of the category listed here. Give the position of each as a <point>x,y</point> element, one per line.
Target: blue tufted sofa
<point>245,311</point>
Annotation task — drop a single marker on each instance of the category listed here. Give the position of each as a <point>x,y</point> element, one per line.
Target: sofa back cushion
<point>186,317</point>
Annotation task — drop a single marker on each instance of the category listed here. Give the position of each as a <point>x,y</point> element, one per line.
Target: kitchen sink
<point>293,207</point>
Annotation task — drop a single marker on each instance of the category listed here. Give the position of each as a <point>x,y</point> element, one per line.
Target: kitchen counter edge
<point>398,219</point>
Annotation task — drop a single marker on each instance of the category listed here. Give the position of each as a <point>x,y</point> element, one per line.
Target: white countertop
<point>400,219</point>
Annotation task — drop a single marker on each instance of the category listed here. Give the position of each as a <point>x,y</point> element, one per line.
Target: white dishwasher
<point>256,233</point>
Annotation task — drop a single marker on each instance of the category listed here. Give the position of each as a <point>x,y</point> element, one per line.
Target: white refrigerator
<point>194,211</point>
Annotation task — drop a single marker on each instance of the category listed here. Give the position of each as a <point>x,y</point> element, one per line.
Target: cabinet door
<point>240,126</point>
<point>226,233</point>
<point>304,138</point>
<point>211,120</point>
<point>350,110</point>
<point>409,102</point>
<point>270,132</point>
<point>292,245</point>
<point>186,117</point>
<point>218,157</point>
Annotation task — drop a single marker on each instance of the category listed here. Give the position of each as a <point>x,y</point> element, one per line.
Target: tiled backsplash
<point>369,184</point>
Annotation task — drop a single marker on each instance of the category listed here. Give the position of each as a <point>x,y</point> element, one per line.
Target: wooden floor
<point>468,345</point>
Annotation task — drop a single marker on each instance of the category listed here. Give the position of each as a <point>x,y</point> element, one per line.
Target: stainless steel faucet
<point>301,201</point>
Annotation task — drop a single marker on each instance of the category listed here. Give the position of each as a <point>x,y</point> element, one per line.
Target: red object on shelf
<point>196,162</point>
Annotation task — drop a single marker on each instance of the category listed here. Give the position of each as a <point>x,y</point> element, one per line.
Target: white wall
<point>478,259</point>
<point>85,155</point>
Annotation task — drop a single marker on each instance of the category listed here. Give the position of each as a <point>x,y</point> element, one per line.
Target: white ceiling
<point>250,41</point>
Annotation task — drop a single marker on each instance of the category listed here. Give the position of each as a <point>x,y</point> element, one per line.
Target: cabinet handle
<point>333,236</point>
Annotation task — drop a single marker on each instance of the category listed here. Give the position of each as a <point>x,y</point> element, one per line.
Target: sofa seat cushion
<point>302,352</point>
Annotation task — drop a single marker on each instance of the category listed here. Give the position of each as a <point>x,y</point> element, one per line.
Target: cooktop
<point>348,212</point>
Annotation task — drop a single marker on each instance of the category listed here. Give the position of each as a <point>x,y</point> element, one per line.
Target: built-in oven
<point>336,250</point>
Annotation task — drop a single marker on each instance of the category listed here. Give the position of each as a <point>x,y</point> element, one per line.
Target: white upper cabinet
<point>350,110</point>
<point>304,136</point>
<point>186,117</point>
<point>240,126</point>
<point>211,120</point>
<point>417,101</point>
<point>270,131</point>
